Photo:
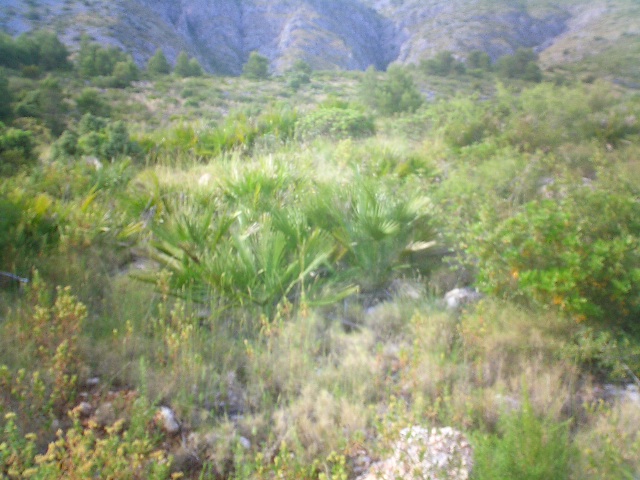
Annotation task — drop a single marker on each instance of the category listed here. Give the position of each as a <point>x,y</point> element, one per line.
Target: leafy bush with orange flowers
<point>579,254</point>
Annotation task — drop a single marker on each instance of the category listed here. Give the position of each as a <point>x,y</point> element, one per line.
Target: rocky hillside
<point>346,34</point>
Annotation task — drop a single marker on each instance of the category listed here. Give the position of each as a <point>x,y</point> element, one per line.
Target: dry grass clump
<point>318,422</point>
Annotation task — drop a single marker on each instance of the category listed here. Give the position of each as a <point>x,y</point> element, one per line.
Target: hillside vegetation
<point>242,277</point>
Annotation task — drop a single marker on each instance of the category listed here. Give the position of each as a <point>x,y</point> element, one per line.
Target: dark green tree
<point>158,64</point>
<point>443,64</point>
<point>94,60</point>
<point>195,69</point>
<point>257,67</point>
<point>52,105</point>
<point>90,101</point>
<point>52,53</point>
<point>299,74</point>
<point>478,60</point>
<point>5,97</point>
<point>522,64</point>
<point>182,68</point>
<point>117,141</point>
<point>10,55</point>
<point>124,73</point>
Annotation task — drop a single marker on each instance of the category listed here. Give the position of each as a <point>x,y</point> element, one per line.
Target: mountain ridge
<point>328,34</point>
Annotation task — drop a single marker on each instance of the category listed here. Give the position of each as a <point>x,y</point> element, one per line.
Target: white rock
<point>458,297</point>
<point>204,180</point>
<point>438,454</point>
<point>168,421</point>
<point>93,162</point>
<point>246,444</point>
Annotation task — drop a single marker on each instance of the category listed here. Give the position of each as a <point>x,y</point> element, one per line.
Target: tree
<point>90,101</point>
<point>52,53</point>
<point>94,61</point>
<point>479,60</point>
<point>299,74</point>
<point>257,67</point>
<point>5,97</point>
<point>51,105</point>
<point>158,64</point>
<point>522,65</point>
<point>195,69</point>
<point>124,73</point>
<point>443,64</point>
<point>9,54</point>
<point>182,68</point>
<point>186,67</point>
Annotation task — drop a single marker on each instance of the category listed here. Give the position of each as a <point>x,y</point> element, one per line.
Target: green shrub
<point>522,64</point>
<point>526,448</point>
<point>5,97</point>
<point>559,254</point>
<point>30,225</point>
<point>394,94</point>
<point>16,149</point>
<point>335,123</point>
<point>158,64</point>
<point>186,67</point>
<point>257,67</point>
<point>299,74</point>
<point>96,61</point>
<point>443,64</point>
<point>465,121</point>
<point>90,101</point>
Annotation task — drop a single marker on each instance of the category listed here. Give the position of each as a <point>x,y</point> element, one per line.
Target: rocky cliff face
<point>346,34</point>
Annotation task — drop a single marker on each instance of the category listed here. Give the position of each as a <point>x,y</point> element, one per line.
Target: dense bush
<point>186,67</point>
<point>47,103</point>
<point>526,448</point>
<point>522,64</point>
<point>16,149</point>
<point>158,64</point>
<point>299,74</point>
<point>335,123</point>
<point>256,67</point>
<point>395,93</point>
<point>94,60</point>
<point>443,64</point>
<point>98,137</point>
<point>5,98</point>
<point>90,100</point>
<point>558,254</point>
<point>41,49</point>
<point>478,60</point>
